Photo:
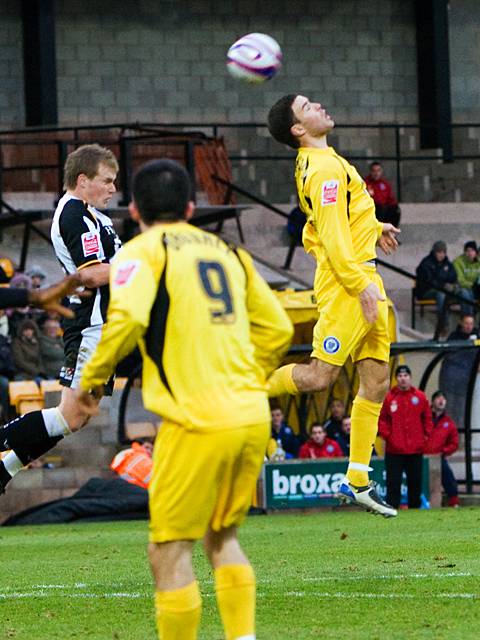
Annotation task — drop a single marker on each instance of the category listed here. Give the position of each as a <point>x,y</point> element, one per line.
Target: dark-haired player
<point>210,332</point>
<point>341,233</point>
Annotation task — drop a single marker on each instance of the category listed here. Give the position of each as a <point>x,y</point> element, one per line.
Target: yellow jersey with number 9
<point>212,328</point>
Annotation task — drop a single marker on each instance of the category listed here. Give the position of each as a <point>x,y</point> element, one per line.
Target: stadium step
<point>32,487</point>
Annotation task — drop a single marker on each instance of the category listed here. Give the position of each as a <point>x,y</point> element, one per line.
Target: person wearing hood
<point>436,270</point>
<point>467,268</point>
<point>26,352</point>
<point>405,424</point>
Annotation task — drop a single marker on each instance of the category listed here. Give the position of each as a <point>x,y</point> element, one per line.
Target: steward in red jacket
<point>386,205</point>
<point>319,446</point>
<point>444,437</point>
<point>444,441</point>
<point>405,421</point>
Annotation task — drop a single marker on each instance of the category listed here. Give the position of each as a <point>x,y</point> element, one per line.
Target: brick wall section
<point>12,113</point>
<point>167,60</point>
<point>164,61</point>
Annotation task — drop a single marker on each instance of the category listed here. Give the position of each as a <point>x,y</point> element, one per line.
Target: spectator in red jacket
<point>405,424</point>
<point>444,441</point>
<point>319,446</point>
<point>386,205</point>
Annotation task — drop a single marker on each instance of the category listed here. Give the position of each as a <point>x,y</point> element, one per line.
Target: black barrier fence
<point>392,144</point>
<point>438,350</point>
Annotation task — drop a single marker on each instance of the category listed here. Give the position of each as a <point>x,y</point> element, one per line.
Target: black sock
<point>23,431</point>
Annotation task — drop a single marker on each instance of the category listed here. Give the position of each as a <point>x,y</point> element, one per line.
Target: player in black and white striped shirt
<point>85,241</point>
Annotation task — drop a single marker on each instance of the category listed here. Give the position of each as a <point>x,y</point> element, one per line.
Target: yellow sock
<point>365,416</point>
<point>281,382</point>
<point>235,588</point>
<point>178,613</point>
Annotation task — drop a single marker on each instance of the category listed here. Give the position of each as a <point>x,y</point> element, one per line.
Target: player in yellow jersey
<point>342,234</point>
<point>211,332</point>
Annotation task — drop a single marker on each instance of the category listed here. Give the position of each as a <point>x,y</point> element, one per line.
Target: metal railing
<point>138,132</point>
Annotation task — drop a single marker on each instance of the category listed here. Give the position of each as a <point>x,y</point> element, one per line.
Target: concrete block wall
<point>164,61</point>
<point>12,112</point>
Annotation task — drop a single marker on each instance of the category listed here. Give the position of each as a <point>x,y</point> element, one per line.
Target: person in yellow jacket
<point>211,332</point>
<point>342,233</point>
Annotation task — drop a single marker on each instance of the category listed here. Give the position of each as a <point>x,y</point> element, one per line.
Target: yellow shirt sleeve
<point>271,330</point>
<point>133,287</point>
<point>379,230</point>
<point>328,193</point>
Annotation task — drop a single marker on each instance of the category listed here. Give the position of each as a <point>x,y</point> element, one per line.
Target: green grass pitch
<point>330,575</point>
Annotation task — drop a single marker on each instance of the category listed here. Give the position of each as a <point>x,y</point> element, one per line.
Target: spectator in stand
<point>386,204</point>
<point>436,270</point>
<point>51,348</point>
<point>37,276</point>
<point>319,446</point>
<point>17,315</point>
<point>26,353</point>
<point>7,371</point>
<point>444,441</point>
<point>283,432</point>
<point>334,424</point>
<point>456,369</point>
<point>343,436</point>
<point>405,424</point>
<point>467,268</point>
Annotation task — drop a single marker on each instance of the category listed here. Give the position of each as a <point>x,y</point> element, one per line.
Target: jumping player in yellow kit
<point>211,332</point>
<point>342,234</point>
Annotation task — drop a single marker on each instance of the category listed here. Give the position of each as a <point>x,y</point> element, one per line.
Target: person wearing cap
<point>443,441</point>
<point>435,272</point>
<point>405,424</point>
<point>467,267</point>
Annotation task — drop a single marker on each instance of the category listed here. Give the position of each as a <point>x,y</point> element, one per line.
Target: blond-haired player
<point>342,234</point>
<point>211,332</point>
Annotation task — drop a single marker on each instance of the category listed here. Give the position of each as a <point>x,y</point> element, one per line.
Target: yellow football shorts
<point>341,329</point>
<point>203,478</point>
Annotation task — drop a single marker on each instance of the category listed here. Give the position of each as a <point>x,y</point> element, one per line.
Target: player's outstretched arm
<point>50,297</point>
<point>388,242</point>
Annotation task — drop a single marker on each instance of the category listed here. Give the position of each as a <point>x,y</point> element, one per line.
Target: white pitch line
<point>408,596</point>
<point>392,576</point>
<point>48,594</point>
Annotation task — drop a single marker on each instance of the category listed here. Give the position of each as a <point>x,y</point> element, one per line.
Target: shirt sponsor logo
<point>331,344</point>
<point>90,243</point>
<point>329,192</point>
<point>125,273</point>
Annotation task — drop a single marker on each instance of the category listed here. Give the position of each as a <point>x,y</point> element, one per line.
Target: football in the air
<point>254,58</point>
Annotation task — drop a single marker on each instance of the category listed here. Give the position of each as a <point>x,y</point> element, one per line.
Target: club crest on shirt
<point>90,243</point>
<point>415,400</point>
<point>331,344</point>
<point>125,273</point>
<point>329,192</point>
